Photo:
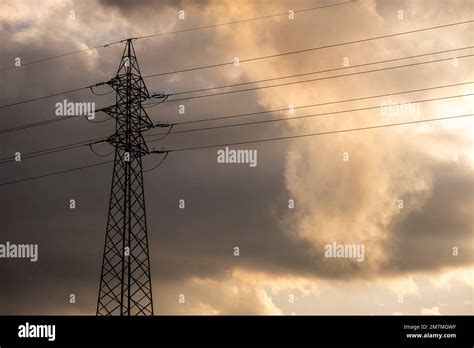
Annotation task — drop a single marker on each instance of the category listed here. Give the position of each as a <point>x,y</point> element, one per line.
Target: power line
<point>253,141</point>
<point>41,123</point>
<point>302,117</point>
<point>308,49</point>
<point>58,56</point>
<point>250,82</point>
<point>320,133</point>
<point>169,33</point>
<point>158,164</point>
<point>228,23</point>
<point>36,124</point>
<point>257,58</point>
<point>313,80</point>
<point>8,130</point>
<point>323,71</point>
<point>95,140</point>
<point>55,173</point>
<point>98,154</point>
<point>244,20</point>
<point>43,97</point>
<point>50,150</point>
<point>322,104</point>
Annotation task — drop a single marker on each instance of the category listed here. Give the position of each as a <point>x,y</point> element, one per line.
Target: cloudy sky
<point>346,187</point>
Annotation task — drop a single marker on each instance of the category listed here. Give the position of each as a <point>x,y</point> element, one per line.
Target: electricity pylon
<point>125,284</point>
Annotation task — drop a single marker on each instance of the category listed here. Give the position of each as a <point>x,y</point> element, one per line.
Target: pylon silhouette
<point>125,284</point>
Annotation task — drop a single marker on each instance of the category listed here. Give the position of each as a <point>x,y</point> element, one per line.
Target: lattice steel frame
<point>125,284</point>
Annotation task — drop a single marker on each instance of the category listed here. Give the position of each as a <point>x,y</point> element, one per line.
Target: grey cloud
<point>424,239</point>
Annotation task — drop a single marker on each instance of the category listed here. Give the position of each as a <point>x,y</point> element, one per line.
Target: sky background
<point>408,251</point>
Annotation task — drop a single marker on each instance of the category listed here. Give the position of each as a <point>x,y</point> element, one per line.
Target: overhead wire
<point>157,165</point>
<point>255,58</point>
<point>165,99</point>
<point>87,142</point>
<point>319,133</point>
<point>301,117</point>
<point>313,80</point>
<point>308,49</point>
<point>324,71</point>
<point>254,141</point>
<point>169,33</point>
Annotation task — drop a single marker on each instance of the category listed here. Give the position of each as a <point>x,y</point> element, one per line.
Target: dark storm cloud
<point>226,206</point>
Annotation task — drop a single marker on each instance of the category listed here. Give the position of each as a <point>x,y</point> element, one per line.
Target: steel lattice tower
<point>125,285</point>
